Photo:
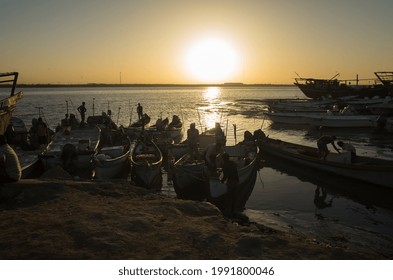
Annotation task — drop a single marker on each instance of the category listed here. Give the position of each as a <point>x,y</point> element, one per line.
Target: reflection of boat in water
<point>370,170</point>
<point>334,88</point>
<point>334,186</point>
<point>8,104</point>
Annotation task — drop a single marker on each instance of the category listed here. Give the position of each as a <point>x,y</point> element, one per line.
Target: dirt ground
<point>59,219</point>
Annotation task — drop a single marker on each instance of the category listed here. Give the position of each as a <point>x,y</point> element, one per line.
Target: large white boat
<point>324,119</point>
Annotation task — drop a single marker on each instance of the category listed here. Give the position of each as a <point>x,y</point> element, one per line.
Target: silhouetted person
<point>348,147</point>
<point>139,110</point>
<point>82,110</point>
<point>193,141</point>
<point>65,122</point>
<point>73,121</point>
<point>220,136</point>
<point>322,145</point>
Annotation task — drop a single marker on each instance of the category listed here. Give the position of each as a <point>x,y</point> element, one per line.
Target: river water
<point>350,213</point>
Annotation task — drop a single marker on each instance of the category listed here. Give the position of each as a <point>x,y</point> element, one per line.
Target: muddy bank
<point>75,219</point>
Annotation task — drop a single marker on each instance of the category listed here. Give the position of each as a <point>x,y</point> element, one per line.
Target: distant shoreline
<point>147,85</point>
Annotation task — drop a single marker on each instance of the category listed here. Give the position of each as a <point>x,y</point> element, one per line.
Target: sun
<point>212,60</point>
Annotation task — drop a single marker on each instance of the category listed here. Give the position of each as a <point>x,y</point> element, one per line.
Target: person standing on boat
<point>82,110</point>
<point>347,147</point>
<point>322,145</point>
<point>213,150</point>
<point>139,110</point>
<point>220,136</point>
<point>65,122</point>
<point>231,179</point>
<point>10,169</point>
<point>193,141</point>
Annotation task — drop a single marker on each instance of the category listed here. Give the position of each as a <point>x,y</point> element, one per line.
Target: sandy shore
<point>75,219</point>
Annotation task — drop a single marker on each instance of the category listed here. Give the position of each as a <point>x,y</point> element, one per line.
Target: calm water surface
<point>351,213</point>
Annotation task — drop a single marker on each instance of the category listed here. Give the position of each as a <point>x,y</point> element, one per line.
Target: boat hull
<point>112,168</point>
<point>316,89</point>
<point>146,166</point>
<point>373,171</point>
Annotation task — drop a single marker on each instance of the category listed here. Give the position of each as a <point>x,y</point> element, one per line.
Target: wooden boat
<point>386,77</point>
<point>8,104</point>
<point>112,161</point>
<point>146,162</point>
<point>334,88</point>
<point>192,180</point>
<point>370,170</point>
<point>73,150</point>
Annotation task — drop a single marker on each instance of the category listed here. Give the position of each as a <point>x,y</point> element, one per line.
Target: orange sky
<point>174,41</point>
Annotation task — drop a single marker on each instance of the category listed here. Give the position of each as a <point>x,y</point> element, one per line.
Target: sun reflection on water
<point>211,111</point>
<point>211,93</point>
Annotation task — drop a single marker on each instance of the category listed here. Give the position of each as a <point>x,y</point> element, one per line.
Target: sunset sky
<point>204,41</point>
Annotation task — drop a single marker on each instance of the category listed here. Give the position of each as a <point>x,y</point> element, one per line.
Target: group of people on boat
<point>69,122</point>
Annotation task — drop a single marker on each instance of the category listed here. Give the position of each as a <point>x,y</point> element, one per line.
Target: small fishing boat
<point>370,170</point>
<point>73,150</point>
<point>192,180</point>
<point>8,104</point>
<point>146,162</point>
<point>112,161</point>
